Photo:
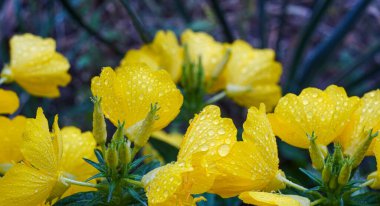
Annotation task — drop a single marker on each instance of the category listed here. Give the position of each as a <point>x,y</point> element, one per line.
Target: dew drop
<point>224,150</point>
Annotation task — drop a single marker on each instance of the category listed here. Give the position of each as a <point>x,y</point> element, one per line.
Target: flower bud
<point>142,130</point>
<point>124,153</point>
<point>118,136</point>
<point>327,170</point>
<point>316,155</point>
<point>333,182</point>
<point>362,148</point>
<point>112,156</point>
<point>345,172</point>
<point>338,154</point>
<point>98,123</point>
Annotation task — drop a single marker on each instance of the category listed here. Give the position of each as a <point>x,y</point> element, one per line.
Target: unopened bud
<point>333,182</point>
<point>327,171</point>
<point>362,148</point>
<point>99,129</point>
<point>316,155</point>
<point>118,136</point>
<point>142,130</point>
<point>338,154</point>
<point>345,173</point>
<point>112,156</point>
<point>125,153</point>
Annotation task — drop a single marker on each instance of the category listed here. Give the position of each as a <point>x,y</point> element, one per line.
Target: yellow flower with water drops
<point>266,199</point>
<point>36,66</point>
<point>365,117</point>
<point>41,175</point>
<point>9,102</point>
<point>207,139</point>
<point>128,93</point>
<point>252,76</point>
<point>11,131</point>
<point>211,52</point>
<point>252,164</point>
<point>325,113</point>
<point>76,146</point>
<point>174,139</point>
<point>163,53</point>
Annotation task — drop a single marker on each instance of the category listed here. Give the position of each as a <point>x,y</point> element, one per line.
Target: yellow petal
<point>271,199</point>
<point>149,150</point>
<point>25,186</point>
<point>166,184</point>
<point>174,139</point>
<point>256,69</point>
<point>376,175</point>
<point>324,112</point>
<point>209,133</point>
<point>28,50</point>
<point>366,117</point>
<point>258,131</point>
<point>202,45</point>
<point>9,102</point>
<point>37,146</point>
<point>166,47</point>
<point>11,131</point>
<point>42,78</point>
<point>243,169</point>
<point>143,55</point>
<point>128,92</point>
<point>259,93</point>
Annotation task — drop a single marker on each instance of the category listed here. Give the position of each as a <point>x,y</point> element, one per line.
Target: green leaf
<point>93,198</point>
<point>136,196</point>
<point>369,198</point>
<point>99,167</point>
<point>101,174</point>
<point>138,161</point>
<point>99,156</point>
<point>312,176</point>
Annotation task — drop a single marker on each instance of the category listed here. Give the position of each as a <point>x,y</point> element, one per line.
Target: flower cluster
<point>42,166</point>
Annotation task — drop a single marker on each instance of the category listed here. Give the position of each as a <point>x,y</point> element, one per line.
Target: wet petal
<point>11,131</point>
<point>9,102</point>
<point>264,198</point>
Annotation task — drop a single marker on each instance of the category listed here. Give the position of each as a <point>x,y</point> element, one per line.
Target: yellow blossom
<point>211,52</point>
<point>10,137</point>
<point>36,66</point>
<point>76,146</point>
<point>163,53</point>
<point>366,117</point>
<point>174,139</point>
<point>252,76</point>
<point>40,176</point>
<point>9,102</point>
<point>325,113</point>
<point>252,164</point>
<point>207,139</point>
<point>266,199</point>
<point>128,93</point>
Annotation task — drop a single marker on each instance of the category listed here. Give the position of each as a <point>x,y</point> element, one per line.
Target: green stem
<point>316,202</point>
<point>74,182</point>
<point>216,98</point>
<point>134,182</point>
<point>364,184</point>
<point>297,186</point>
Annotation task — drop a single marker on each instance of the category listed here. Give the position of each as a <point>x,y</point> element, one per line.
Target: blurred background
<point>318,42</point>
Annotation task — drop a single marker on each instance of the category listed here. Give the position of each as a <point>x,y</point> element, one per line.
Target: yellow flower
<point>325,113</point>
<point>212,53</point>
<point>10,137</point>
<point>36,66</point>
<point>128,93</point>
<point>207,139</point>
<point>366,117</point>
<point>266,199</point>
<point>173,139</point>
<point>76,146</point>
<point>376,175</point>
<point>252,76</point>
<point>9,102</point>
<point>252,164</point>
<point>39,177</point>
<point>163,53</point>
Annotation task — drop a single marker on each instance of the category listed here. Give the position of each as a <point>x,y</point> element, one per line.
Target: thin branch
<point>222,20</point>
